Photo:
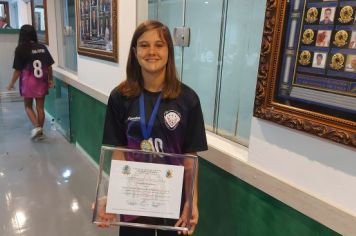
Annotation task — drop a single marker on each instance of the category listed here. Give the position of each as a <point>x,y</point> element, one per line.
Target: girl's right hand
<point>183,220</point>
<point>104,218</point>
<point>10,87</point>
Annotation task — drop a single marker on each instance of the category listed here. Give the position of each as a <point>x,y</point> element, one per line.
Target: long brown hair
<point>133,85</point>
<point>27,37</point>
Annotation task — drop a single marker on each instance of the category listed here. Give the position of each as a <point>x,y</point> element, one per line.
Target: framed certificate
<point>97,28</point>
<point>144,189</point>
<point>307,70</point>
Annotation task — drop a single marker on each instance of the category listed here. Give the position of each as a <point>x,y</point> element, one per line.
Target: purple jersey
<point>178,127</point>
<point>34,71</point>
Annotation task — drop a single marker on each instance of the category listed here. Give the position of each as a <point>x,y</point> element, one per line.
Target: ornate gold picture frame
<point>307,71</point>
<point>97,28</point>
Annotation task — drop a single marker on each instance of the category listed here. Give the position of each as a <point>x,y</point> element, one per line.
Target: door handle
<point>181,36</point>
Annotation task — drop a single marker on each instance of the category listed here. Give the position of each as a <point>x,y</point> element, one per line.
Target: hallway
<point>47,186</point>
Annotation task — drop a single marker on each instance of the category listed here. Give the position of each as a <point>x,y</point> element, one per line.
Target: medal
<point>346,14</point>
<point>340,38</point>
<point>145,145</point>
<point>308,36</point>
<point>312,15</point>
<point>337,61</point>
<point>146,130</point>
<point>304,58</point>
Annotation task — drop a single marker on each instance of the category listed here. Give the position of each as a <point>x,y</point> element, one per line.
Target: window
<point>66,34</point>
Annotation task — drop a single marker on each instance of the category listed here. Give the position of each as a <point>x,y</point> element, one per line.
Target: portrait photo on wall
<point>97,29</point>
<point>319,60</point>
<point>307,72</point>
<point>351,63</point>
<point>323,38</point>
<point>352,43</point>
<point>327,15</point>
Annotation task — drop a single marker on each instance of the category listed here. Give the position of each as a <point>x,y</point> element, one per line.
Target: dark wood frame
<point>266,107</point>
<point>99,53</point>
<point>45,40</point>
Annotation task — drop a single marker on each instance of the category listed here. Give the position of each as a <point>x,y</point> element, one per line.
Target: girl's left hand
<point>182,222</point>
<point>50,84</point>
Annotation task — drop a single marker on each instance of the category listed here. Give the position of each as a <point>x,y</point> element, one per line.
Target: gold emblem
<point>337,61</point>
<point>304,58</point>
<point>340,38</point>
<point>145,145</point>
<point>346,14</point>
<point>308,36</point>
<point>312,15</point>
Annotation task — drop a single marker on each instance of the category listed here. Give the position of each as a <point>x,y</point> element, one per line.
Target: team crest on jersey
<point>171,119</point>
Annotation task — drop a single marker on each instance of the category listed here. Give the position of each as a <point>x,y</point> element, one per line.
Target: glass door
<point>221,61</point>
<point>202,59</point>
<point>198,63</point>
<point>171,13</point>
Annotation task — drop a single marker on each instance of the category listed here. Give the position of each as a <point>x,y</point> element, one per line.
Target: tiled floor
<point>46,187</point>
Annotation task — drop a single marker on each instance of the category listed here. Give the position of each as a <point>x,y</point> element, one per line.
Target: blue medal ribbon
<point>146,130</point>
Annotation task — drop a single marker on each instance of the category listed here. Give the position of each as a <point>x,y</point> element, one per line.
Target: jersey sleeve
<point>114,127</point>
<point>49,58</point>
<point>195,138</point>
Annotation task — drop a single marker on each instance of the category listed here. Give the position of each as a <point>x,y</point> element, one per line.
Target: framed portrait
<point>97,29</point>
<point>351,63</point>
<point>319,60</point>
<point>352,43</point>
<point>4,11</point>
<point>39,19</point>
<point>327,15</point>
<point>323,38</point>
<point>307,70</point>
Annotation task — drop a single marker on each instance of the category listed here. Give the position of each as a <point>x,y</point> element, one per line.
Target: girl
<point>33,65</point>
<point>152,90</point>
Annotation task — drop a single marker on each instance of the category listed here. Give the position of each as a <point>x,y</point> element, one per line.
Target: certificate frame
<point>97,29</point>
<point>280,97</point>
<point>168,167</point>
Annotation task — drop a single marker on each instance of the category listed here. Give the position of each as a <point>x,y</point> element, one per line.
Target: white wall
<point>102,75</point>
<point>52,37</point>
<point>320,167</point>
<point>8,43</point>
<point>24,13</point>
<point>98,74</point>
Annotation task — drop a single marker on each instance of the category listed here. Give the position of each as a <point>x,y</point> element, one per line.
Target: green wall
<point>87,122</point>
<point>228,206</point>
<point>9,31</point>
